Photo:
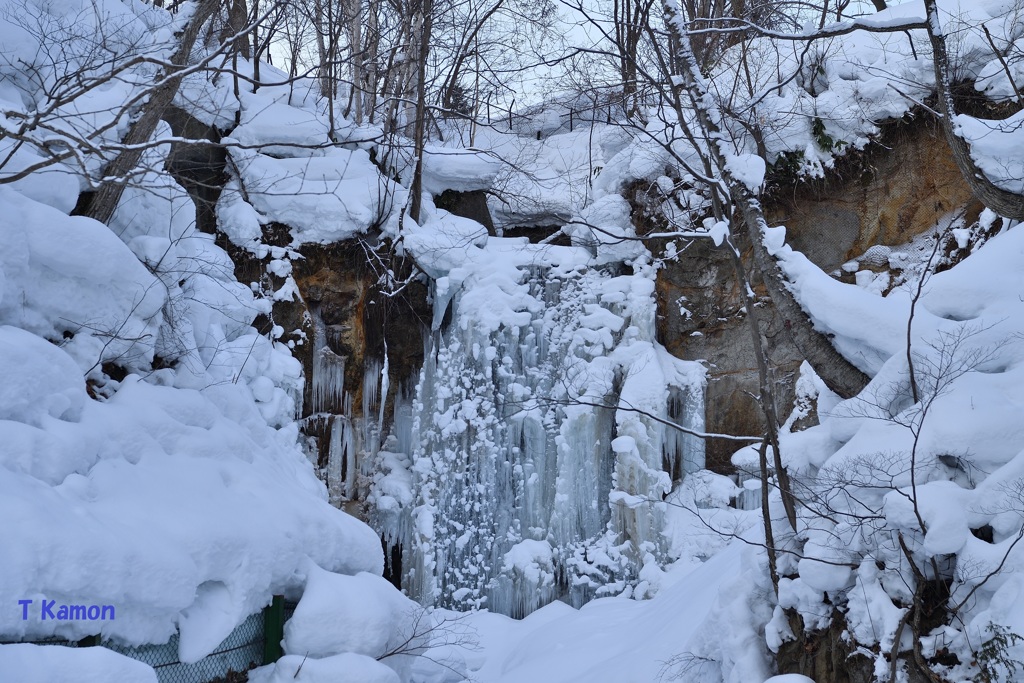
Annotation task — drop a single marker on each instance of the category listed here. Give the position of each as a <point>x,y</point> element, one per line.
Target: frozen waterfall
<point>526,466</point>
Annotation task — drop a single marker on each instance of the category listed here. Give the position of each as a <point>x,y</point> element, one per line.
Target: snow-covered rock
<point>363,614</point>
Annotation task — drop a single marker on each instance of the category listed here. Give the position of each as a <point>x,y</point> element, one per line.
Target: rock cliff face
<point>895,190</point>
<point>700,317</point>
<point>886,195</point>
<point>340,304</point>
<point>338,298</point>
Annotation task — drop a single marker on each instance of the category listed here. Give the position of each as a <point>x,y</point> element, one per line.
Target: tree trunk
<point>354,25</point>
<point>419,130</point>
<point>372,39</point>
<point>835,371</point>
<point>839,374</point>
<point>1003,202</point>
<point>104,200</point>
<point>238,17</point>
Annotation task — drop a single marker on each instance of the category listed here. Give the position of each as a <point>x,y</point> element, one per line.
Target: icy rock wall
<point>526,467</point>
<point>352,436</point>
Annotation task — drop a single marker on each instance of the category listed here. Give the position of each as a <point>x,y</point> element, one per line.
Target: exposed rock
<point>897,189</point>
<point>198,168</point>
<point>701,317</point>
<point>472,205</point>
<point>872,199</point>
<point>338,287</point>
<point>825,655</point>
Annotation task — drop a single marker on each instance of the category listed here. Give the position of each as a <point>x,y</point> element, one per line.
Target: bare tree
<point>105,199</point>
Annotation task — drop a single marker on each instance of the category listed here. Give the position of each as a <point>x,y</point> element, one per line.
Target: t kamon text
<point>50,610</point>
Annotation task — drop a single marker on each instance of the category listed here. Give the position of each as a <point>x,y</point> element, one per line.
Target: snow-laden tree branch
<point>1003,202</point>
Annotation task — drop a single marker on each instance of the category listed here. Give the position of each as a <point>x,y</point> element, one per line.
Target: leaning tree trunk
<point>1003,202</point>
<point>105,199</point>
<point>692,82</point>
<point>839,374</point>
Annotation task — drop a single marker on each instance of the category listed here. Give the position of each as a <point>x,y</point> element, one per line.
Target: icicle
<point>370,432</point>
<point>328,386</point>
<point>384,386</point>
<point>335,459</point>
<point>749,497</point>
<point>684,453</point>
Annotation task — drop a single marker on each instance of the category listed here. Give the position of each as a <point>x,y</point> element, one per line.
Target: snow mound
<point>997,147</point>
<point>462,170</point>
<point>280,130</point>
<point>344,668</point>
<point>40,380</point>
<point>323,199</point>
<point>72,274</point>
<point>363,614</point>
<point>27,663</point>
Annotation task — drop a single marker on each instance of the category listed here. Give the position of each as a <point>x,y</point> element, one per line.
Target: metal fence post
<point>273,630</point>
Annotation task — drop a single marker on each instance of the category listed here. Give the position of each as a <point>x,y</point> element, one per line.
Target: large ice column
<point>537,447</point>
<point>684,451</point>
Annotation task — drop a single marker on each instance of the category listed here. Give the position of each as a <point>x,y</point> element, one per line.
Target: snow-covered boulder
<point>363,614</point>
<point>69,273</point>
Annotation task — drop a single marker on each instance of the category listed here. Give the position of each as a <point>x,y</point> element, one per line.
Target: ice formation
<point>351,437</point>
<point>533,468</point>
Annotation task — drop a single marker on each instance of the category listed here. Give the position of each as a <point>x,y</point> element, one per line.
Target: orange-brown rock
<point>897,189</point>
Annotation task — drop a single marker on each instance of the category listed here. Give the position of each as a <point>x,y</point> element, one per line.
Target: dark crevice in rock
<point>196,167</point>
<point>472,205</point>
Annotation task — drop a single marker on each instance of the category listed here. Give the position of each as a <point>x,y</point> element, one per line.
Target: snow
<point>41,381</point>
<point>72,274</point>
<point>934,469</point>
<point>866,331</point>
<point>531,559</point>
<point>446,244</point>
<point>606,229</point>
<point>540,182</point>
<point>747,169</point>
<point>277,129</point>
<point>344,668</point>
<point>27,663</point>
<point>997,147</point>
<point>152,460</point>
<point>613,639</point>
<point>322,198</point>
<point>123,526</point>
<point>363,614</point>
<point>462,170</point>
